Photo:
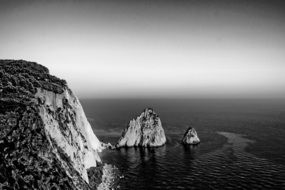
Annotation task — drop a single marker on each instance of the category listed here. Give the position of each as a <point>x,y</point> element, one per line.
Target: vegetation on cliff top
<point>20,80</point>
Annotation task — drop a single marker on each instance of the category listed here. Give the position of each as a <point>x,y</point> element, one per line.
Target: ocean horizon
<point>142,95</point>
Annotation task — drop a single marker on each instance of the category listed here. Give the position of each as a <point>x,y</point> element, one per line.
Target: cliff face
<point>146,130</point>
<point>46,141</point>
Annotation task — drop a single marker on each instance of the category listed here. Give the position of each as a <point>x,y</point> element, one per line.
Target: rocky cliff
<point>146,130</point>
<point>46,141</point>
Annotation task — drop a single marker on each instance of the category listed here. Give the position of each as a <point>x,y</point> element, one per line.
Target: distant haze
<point>145,49</point>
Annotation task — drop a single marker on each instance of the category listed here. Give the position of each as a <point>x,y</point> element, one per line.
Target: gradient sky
<point>184,49</point>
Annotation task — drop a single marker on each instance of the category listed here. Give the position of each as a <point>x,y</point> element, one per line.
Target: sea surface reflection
<point>177,166</point>
<point>242,143</point>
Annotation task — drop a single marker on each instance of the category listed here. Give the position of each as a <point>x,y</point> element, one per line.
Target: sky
<point>152,49</point>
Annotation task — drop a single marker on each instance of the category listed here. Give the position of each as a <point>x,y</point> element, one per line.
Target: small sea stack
<point>145,131</point>
<point>190,137</point>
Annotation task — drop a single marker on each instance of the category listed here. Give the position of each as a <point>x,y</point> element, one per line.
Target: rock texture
<point>46,141</point>
<point>146,131</point>
<point>190,137</point>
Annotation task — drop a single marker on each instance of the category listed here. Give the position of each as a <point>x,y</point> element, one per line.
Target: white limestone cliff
<point>68,130</point>
<point>146,131</point>
<point>190,136</point>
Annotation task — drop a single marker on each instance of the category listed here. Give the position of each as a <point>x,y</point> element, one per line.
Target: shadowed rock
<point>146,131</point>
<point>190,137</point>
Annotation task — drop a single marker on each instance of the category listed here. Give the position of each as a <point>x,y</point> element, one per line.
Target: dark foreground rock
<point>46,141</point>
<point>146,131</point>
<point>190,137</point>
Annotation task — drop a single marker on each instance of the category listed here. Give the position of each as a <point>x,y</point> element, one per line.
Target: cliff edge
<point>46,141</point>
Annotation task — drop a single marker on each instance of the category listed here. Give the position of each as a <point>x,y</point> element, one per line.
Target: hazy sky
<point>233,48</point>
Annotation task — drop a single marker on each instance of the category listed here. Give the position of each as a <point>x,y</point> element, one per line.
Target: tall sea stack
<point>146,131</point>
<point>46,141</point>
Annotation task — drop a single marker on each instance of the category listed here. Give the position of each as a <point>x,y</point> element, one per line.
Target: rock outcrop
<point>190,137</point>
<point>146,131</point>
<point>46,141</point>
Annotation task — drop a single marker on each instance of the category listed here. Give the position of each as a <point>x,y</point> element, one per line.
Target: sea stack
<point>190,137</point>
<point>146,131</point>
<point>46,141</point>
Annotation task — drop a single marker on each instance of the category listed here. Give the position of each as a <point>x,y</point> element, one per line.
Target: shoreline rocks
<point>107,146</point>
<point>145,131</point>
<point>190,137</point>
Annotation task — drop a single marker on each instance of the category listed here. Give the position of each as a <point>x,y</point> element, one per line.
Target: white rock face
<point>146,130</point>
<point>68,130</point>
<point>190,137</point>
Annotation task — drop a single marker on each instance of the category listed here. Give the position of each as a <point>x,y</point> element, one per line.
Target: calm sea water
<point>242,143</point>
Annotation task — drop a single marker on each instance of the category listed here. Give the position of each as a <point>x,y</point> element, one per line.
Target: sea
<point>242,143</point>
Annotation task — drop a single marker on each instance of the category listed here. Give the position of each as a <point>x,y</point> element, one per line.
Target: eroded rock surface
<point>146,131</point>
<point>46,141</point>
<point>190,137</point>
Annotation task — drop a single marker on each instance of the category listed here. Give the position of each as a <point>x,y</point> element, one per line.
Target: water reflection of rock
<point>190,151</point>
<point>190,148</point>
<point>141,154</point>
<point>144,163</point>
